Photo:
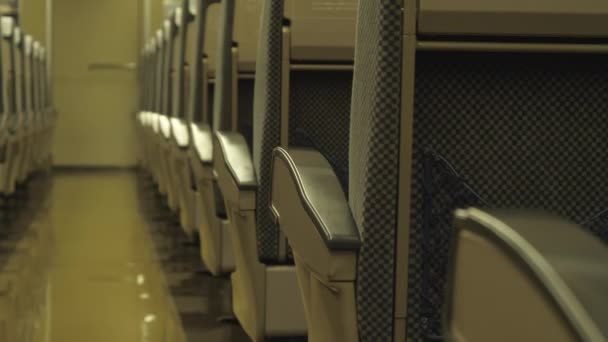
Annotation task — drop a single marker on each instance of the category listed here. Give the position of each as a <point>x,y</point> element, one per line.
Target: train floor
<point>111,265</point>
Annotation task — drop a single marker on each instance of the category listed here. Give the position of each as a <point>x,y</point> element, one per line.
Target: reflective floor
<point>102,260</point>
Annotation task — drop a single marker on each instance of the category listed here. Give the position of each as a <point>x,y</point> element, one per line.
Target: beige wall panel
<point>95,126</point>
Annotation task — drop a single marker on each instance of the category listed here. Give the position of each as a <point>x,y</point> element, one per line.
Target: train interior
<point>303,170</point>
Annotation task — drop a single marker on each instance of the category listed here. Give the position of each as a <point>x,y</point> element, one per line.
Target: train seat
<point>27,122</point>
<point>15,144</point>
<point>445,115</point>
<point>216,246</point>
<point>6,141</point>
<point>300,73</point>
<point>180,139</point>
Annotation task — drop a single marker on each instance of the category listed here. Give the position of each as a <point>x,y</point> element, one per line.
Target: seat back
<point>46,85</point>
<point>36,77</point>
<point>373,180</point>
<point>302,96</point>
<point>237,49</point>
<point>28,74</point>
<point>6,79</point>
<point>160,75</point>
<point>17,61</point>
<point>201,89</point>
<point>506,121</point>
<point>170,46</point>
<point>182,24</point>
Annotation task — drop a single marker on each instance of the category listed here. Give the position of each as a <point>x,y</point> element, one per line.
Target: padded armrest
<point>202,142</point>
<point>164,125</point>
<point>321,196</point>
<point>180,132</point>
<point>568,262</point>
<point>238,159</point>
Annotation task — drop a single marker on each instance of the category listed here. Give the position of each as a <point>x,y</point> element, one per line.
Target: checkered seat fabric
<point>319,115</point>
<point>508,130</point>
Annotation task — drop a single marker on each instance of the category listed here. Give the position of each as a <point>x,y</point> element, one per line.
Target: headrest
<point>311,21</point>
<point>17,35</point>
<point>8,25</point>
<point>27,41</point>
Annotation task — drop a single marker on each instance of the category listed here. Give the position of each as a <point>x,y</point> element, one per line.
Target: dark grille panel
<point>522,131</point>
<point>319,115</point>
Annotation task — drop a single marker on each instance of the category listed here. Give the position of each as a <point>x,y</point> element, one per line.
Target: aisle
<point>105,281</point>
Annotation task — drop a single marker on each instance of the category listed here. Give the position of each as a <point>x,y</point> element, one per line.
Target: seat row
<point>388,170</point>
<point>27,120</point>
<point>26,112</point>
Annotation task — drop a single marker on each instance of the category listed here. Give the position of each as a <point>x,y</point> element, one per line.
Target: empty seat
<point>444,116</point>
<point>7,101</point>
<point>48,109</point>
<point>16,134</point>
<point>180,140</point>
<point>300,75</point>
<point>27,121</point>
<point>216,246</point>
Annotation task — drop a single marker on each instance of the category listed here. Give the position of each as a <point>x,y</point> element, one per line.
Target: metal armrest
<point>202,142</point>
<point>237,159</point>
<point>180,132</point>
<point>321,195</point>
<point>566,262</point>
<point>165,126</point>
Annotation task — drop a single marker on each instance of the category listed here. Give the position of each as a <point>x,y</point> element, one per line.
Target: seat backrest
<point>6,79</point>
<point>181,24</point>
<point>160,75</point>
<point>28,46</point>
<point>169,38</point>
<point>302,96</point>
<point>237,49</point>
<point>222,118</point>
<point>47,99</point>
<point>374,162</point>
<point>512,120</point>
<point>201,91</point>
<point>36,77</point>
<point>18,59</point>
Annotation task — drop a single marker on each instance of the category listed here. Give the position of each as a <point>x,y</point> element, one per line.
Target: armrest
<point>320,194</point>
<point>202,142</point>
<point>567,263</point>
<point>237,159</point>
<point>180,132</point>
<point>165,126</point>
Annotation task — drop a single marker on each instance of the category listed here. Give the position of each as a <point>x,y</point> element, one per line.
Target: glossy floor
<point>104,263</point>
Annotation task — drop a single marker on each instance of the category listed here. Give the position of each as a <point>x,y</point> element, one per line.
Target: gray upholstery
<point>374,153</point>
<point>501,130</point>
<point>267,123</point>
<point>319,116</point>
<point>222,103</point>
